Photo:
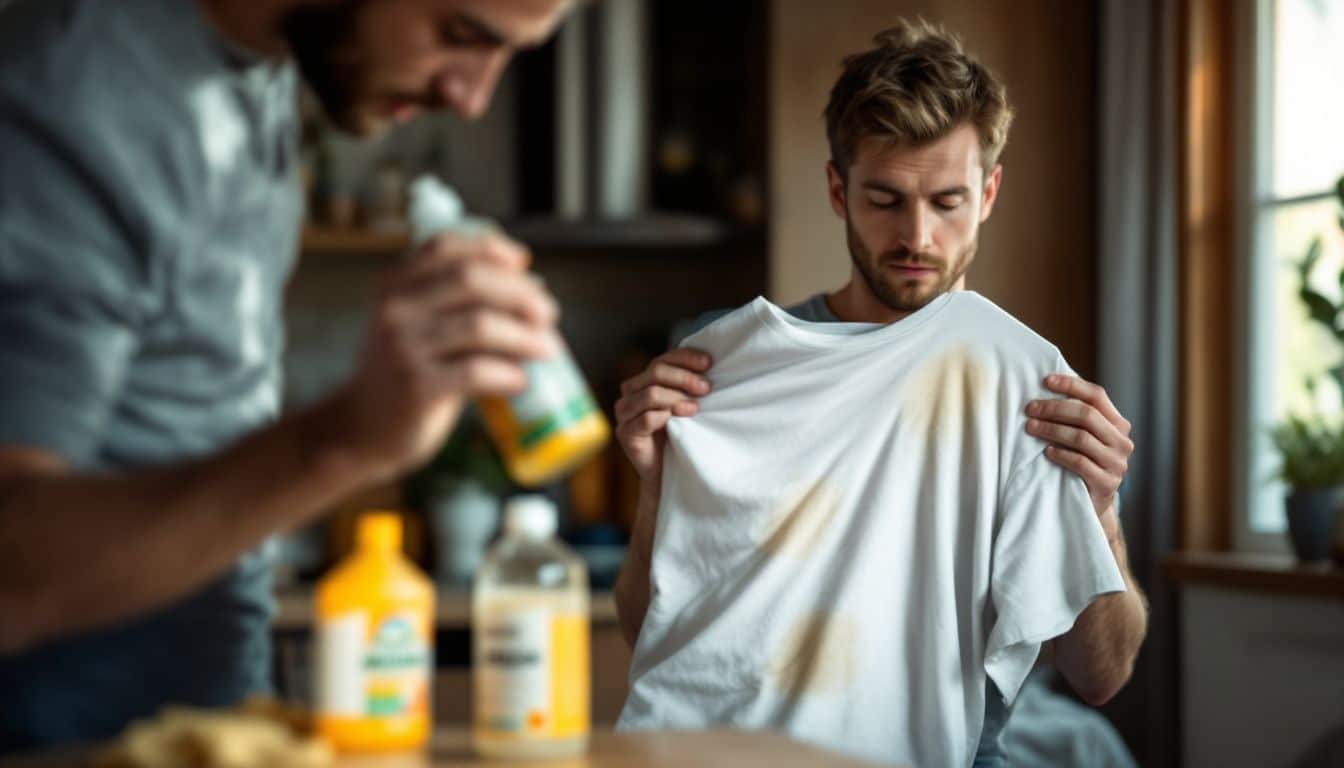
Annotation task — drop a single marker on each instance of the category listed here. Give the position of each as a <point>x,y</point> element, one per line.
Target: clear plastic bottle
<point>553,426</point>
<point>375,644</point>
<point>530,625</point>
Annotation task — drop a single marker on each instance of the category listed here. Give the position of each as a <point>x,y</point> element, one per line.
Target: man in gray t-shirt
<point>149,217</point>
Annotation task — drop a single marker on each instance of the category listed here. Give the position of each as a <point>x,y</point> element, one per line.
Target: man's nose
<point>916,231</point>
<point>468,90</point>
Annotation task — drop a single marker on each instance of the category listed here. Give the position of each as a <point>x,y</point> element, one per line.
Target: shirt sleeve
<point>1050,560</point>
<point>72,291</point>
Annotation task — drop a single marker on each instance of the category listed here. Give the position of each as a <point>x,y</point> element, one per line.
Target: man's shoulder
<point>813,309</point>
<point>89,73</point>
<point>998,332</point>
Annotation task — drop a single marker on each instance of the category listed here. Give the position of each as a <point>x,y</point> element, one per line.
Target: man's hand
<point>454,322</point>
<point>668,387</point>
<point>1088,436</point>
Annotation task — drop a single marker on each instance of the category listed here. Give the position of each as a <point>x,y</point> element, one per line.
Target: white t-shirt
<point>855,530</point>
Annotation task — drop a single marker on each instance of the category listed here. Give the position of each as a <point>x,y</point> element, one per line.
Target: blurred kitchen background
<point>1171,164</point>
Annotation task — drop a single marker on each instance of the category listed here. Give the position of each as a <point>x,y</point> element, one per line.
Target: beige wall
<point>1037,254</point>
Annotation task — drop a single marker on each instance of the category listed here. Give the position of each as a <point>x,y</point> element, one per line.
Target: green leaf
<point>1339,191</point>
<point>1309,261</point>
<point>1337,373</point>
<point>1321,309</point>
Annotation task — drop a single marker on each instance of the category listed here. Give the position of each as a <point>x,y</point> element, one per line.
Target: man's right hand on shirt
<point>670,386</point>
<point>456,321</point>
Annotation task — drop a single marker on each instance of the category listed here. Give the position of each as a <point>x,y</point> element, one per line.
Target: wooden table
<point>700,749</point>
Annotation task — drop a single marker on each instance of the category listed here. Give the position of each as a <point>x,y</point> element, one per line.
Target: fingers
<point>1100,483</point>
<point>643,425</point>
<point>654,398</point>
<point>680,369</point>
<point>686,357</point>
<point>1081,441</point>
<point>485,331</point>
<point>1092,394</point>
<point>477,376</point>
<point>667,388</point>
<point>452,287</point>
<point>449,248</point>
<point>1079,414</point>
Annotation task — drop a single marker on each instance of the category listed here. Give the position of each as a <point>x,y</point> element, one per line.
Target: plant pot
<point>1339,540</point>
<point>1311,522</point>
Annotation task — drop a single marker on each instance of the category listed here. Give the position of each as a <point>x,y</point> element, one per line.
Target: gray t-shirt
<point>149,215</point>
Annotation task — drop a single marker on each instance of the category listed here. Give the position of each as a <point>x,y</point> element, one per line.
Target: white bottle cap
<point>434,208</point>
<point>532,517</point>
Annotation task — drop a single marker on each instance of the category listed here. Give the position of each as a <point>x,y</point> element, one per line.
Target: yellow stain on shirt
<point>939,396</point>
<point>816,656</point>
<point>798,519</point>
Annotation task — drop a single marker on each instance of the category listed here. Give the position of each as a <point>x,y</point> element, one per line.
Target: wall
<point>1036,256</point>
<point>1263,676</point>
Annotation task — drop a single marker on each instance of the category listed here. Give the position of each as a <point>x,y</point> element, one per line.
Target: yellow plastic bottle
<point>375,645</point>
<point>552,427</point>
<point>530,642</point>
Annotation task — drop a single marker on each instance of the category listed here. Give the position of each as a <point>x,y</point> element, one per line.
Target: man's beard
<point>900,293</point>
<point>321,38</point>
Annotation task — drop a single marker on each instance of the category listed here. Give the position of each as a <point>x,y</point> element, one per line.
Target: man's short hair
<point>916,86</point>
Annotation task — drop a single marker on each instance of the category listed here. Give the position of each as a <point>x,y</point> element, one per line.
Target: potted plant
<point>1313,468</point>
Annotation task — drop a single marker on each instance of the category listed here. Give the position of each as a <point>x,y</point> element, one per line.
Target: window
<point>1295,155</point>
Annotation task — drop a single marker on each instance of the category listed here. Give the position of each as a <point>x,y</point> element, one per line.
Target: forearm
<point>1097,655</point>
<point>81,551</point>
<point>632,591</point>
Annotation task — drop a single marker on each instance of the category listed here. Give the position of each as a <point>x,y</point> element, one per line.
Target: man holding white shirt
<point>945,466</point>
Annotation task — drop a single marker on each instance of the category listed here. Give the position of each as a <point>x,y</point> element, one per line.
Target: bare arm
<point>1097,655</point>
<point>78,551</point>
<point>632,591</point>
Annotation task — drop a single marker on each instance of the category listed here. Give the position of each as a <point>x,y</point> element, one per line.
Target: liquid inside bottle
<point>530,647</point>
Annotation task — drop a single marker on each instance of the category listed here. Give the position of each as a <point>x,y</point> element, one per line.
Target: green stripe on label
<point>574,411</point>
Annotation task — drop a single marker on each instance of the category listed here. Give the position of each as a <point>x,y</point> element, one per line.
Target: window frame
<point>1254,390</point>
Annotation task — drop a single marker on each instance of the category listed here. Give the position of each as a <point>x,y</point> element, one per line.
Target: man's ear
<point>991,192</point>
<point>835,186</point>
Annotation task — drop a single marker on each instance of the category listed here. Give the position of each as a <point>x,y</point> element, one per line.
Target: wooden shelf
<point>1281,574</point>
<point>341,241</point>
<point>652,231</point>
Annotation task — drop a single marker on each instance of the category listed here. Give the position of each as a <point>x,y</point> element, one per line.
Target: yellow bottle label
<point>373,669</point>
<point>570,676</point>
<point>556,397</point>
<point>532,671</point>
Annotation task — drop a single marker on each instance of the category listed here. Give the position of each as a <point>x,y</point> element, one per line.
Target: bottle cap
<point>379,530</point>
<point>531,516</point>
<point>434,208</point>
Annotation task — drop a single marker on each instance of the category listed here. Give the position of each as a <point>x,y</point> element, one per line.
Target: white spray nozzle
<point>436,208</point>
